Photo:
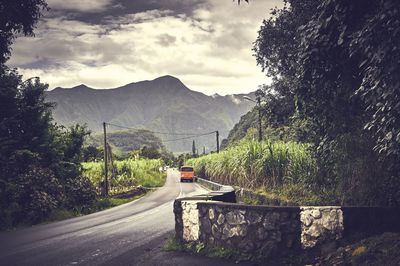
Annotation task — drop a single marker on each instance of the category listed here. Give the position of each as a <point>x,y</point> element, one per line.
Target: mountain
<point>248,122</point>
<point>164,104</point>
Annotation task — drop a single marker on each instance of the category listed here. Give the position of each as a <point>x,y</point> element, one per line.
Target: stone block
<point>235,217</point>
<point>216,231</point>
<point>253,217</point>
<point>221,219</point>
<point>270,221</point>
<point>211,213</point>
<point>262,234</point>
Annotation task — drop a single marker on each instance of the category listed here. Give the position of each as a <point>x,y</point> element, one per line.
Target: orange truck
<point>187,173</point>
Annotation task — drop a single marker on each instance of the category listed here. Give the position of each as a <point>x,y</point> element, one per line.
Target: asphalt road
<point>130,234</point>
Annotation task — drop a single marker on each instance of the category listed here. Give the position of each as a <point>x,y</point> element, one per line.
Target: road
<point>130,234</point>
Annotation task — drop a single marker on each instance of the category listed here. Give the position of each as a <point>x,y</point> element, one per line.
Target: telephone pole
<point>217,136</point>
<point>105,159</point>
<point>259,119</point>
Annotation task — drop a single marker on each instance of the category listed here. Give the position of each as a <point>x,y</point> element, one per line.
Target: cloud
<point>207,45</point>
<point>80,5</point>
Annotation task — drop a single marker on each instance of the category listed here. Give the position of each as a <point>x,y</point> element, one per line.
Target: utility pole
<point>259,119</point>
<point>105,159</point>
<point>217,135</point>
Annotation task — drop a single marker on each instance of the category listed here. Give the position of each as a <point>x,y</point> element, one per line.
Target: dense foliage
<point>39,161</point>
<point>334,66</point>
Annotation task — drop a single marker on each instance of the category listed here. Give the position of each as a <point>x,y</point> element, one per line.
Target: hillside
<point>164,104</point>
<point>247,122</point>
<point>127,140</point>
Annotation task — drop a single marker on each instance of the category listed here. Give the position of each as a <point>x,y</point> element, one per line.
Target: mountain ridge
<point>164,104</point>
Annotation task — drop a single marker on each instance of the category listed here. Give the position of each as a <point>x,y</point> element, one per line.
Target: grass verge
<point>99,205</point>
<point>172,244</point>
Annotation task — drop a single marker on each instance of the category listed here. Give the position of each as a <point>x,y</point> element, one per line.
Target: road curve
<point>117,236</point>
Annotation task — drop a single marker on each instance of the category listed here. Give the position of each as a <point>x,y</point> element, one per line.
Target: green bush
<point>127,173</point>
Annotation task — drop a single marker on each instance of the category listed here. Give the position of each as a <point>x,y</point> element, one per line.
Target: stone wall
<point>190,221</point>
<point>271,230</point>
<point>320,225</point>
<point>249,229</point>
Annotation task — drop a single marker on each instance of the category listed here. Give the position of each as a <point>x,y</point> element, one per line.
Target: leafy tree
<point>92,153</point>
<point>349,85</point>
<point>150,152</point>
<point>276,51</point>
<point>194,148</point>
<point>39,161</point>
<point>16,17</point>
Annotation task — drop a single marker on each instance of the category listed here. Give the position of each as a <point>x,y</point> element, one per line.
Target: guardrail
<point>213,186</point>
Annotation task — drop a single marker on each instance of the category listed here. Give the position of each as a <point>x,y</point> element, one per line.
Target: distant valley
<point>164,104</point>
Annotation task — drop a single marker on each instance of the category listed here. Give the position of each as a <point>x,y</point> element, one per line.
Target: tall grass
<point>252,164</point>
<point>127,173</point>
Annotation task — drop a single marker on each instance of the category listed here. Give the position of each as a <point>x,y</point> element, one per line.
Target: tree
<point>334,66</point>
<point>150,152</point>
<point>276,51</point>
<point>349,84</point>
<point>194,148</point>
<point>16,17</point>
<point>39,160</point>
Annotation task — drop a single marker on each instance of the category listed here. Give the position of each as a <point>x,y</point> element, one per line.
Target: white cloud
<point>209,51</point>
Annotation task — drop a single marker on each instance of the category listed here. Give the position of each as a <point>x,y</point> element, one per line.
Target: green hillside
<point>126,141</point>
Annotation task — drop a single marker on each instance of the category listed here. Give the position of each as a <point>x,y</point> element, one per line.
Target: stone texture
<point>270,221</point>
<point>190,219</point>
<point>249,229</point>
<point>254,217</point>
<point>216,231</point>
<point>211,213</point>
<point>275,231</point>
<point>235,217</point>
<point>320,225</point>
<point>221,219</point>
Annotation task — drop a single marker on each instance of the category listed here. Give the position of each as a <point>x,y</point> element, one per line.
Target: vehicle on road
<point>187,173</point>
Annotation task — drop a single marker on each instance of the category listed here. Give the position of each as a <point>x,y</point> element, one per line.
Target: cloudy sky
<point>108,43</point>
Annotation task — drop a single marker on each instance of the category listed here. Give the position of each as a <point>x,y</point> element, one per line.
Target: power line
<point>190,137</point>
<point>164,133</point>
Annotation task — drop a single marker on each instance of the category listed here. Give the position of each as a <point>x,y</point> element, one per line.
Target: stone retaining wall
<point>271,230</point>
<point>249,229</point>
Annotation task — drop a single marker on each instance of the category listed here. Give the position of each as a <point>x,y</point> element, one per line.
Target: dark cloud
<point>104,9</point>
<point>109,43</point>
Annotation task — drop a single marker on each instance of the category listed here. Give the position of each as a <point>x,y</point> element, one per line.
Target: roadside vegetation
<point>127,173</point>
<point>335,90</point>
<point>283,169</point>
